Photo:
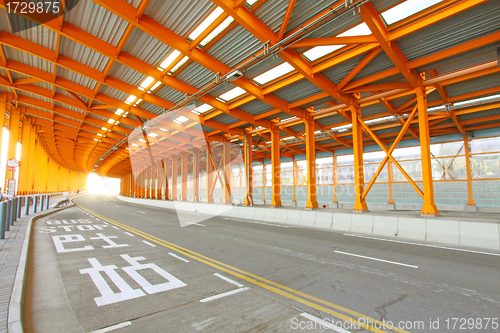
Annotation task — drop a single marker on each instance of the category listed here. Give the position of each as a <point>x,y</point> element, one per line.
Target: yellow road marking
<point>252,278</point>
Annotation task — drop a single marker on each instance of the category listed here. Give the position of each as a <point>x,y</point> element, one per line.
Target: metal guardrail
<point>11,208</point>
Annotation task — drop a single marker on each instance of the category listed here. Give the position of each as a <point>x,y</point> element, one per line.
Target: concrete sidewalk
<point>10,256</point>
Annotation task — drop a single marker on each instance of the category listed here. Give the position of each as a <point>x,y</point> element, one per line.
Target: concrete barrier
<point>249,213</point>
<point>446,231</point>
<point>411,228</point>
<point>443,231</point>
<point>362,223</point>
<point>269,214</point>
<point>281,215</point>
<point>307,218</point>
<point>259,214</point>
<point>293,217</point>
<point>479,234</point>
<point>342,221</point>
<point>323,220</point>
<point>385,225</point>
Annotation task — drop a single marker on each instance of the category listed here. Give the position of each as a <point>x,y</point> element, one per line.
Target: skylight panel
<point>99,134</point>
<point>135,145</point>
<point>146,83</point>
<point>206,22</point>
<point>217,31</point>
<point>138,101</point>
<point>251,2</point>
<point>180,63</point>
<point>95,139</point>
<point>341,128</point>
<point>169,60</point>
<point>111,121</point>
<point>181,119</point>
<point>233,93</point>
<point>320,51</point>
<point>119,112</point>
<point>164,129</point>
<point>407,9</point>
<point>203,108</point>
<point>104,128</point>
<point>274,73</point>
<point>153,88</point>
<point>130,99</point>
<point>153,135</point>
<point>359,30</point>
<point>142,140</point>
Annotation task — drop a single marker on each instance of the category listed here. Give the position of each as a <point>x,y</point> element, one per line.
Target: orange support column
<point>294,180</point>
<point>335,180</point>
<point>135,189</point>
<point>359,176</point>
<point>166,170</point>
<point>312,201</point>
<point>227,172</point>
<point>3,109</point>
<point>184,174</point>
<point>140,183</point>
<point>175,160</point>
<point>429,208</point>
<point>196,175</point>
<point>470,202</point>
<point>13,138</point>
<point>248,159</point>
<point>25,153</point>
<point>148,183</point>
<point>276,167</point>
<point>264,182</point>
<point>159,180</point>
<point>389,179</point>
<point>209,196</point>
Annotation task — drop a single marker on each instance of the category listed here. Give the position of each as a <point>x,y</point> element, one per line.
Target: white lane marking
<point>228,293</point>
<point>426,245</point>
<point>239,285</point>
<point>115,227</point>
<point>176,256</point>
<point>129,234</point>
<point>112,328</point>
<point>376,259</point>
<point>195,224</point>
<point>140,212</point>
<point>148,243</point>
<point>324,323</point>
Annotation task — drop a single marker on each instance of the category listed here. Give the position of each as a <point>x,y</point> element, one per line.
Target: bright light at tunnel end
<point>103,185</point>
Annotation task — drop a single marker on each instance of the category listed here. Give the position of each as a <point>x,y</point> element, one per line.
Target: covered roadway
<point>328,159</point>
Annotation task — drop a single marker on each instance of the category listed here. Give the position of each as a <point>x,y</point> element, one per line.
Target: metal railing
<point>11,209</point>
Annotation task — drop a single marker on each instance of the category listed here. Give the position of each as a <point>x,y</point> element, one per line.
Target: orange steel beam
<point>392,109</point>
<point>395,143</point>
<point>444,97</point>
<point>362,64</point>
<point>260,30</point>
<point>286,18</point>
<point>379,29</point>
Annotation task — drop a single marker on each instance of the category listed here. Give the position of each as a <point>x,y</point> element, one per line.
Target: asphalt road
<point>287,278</point>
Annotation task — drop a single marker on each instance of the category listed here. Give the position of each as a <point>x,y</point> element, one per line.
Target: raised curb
<point>14,318</point>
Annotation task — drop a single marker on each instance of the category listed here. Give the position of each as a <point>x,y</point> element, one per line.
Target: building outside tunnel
<point>344,124</point>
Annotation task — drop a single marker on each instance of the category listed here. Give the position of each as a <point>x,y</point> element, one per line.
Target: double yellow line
<point>282,290</point>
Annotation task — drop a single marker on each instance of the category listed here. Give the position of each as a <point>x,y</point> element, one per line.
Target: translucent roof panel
<point>407,9</point>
